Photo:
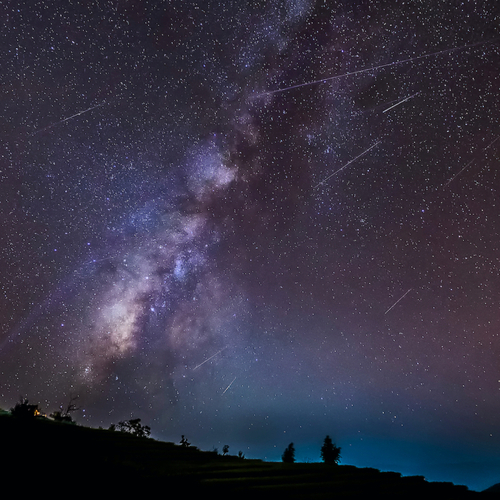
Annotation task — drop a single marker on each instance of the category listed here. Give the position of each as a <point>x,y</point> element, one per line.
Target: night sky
<point>254,223</point>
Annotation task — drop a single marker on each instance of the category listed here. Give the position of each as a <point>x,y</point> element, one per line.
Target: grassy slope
<point>62,457</point>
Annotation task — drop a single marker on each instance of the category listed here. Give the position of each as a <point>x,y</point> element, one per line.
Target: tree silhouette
<point>289,454</point>
<point>184,441</point>
<point>64,415</point>
<point>225,449</point>
<point>330,453</point>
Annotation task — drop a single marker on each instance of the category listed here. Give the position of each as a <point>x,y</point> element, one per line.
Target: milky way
<point>256,223</point>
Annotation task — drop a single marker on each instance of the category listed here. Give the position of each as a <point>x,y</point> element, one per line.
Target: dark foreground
<point>48,458</point>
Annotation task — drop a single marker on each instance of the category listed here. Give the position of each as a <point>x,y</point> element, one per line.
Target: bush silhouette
<point>289,454</point>
<point>60,416</point>
<point>24,410</point>
<point>330,453</point>
<point>134,427</point>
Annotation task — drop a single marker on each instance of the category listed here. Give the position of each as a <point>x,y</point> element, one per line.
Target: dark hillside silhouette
<point>495,489</point>
<point>68,457</point>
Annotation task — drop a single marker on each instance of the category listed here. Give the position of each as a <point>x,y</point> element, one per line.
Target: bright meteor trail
<point>457,174</point>
<point>347,164</point>
<point>372,68</point>
<point>68,118</point>
<point>399,300</point>
<point>401,102</point>
<point>208,359</point>
<point>224,392</point>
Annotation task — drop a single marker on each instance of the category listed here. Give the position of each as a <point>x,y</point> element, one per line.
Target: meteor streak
<point>208,359</point>
<point>372,68</point>
<point>400,102</point>
<point>457,174</point>
<point>229,385</point>
<point>492,142</point>
<point>347,164</point>
<point>461,170</point>
<point>68,118</point>
<point>397,301</point>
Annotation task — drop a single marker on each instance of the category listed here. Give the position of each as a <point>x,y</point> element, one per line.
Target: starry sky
<point>256,223</point>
